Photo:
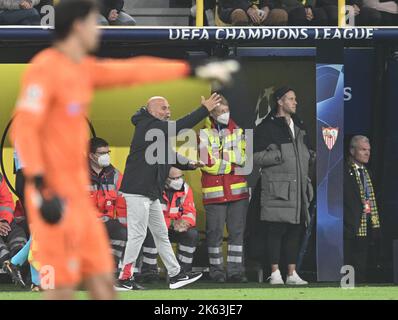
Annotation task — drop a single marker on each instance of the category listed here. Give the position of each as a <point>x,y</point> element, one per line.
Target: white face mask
<point>176,184</point>
<point>223,118</point>
<point>104,160</point>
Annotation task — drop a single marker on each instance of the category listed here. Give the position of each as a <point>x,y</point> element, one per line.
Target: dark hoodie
<point>141,177</point>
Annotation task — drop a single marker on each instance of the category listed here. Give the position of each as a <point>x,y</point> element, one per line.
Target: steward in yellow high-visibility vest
<point>224,153</point>
<point>225,194</point>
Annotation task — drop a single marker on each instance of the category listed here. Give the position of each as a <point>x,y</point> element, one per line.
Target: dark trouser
<point>25,227</point>
<point>297,17</point>
<point>123,20</point>
<point>285,236</point>
<point>276,17</point>
<point>233,214</point>
<point>388,19</point>
<point>20,17</point>
<point>118,237</point>
<point>237,17</point>
<point>12,243</point>
<point>356,254</point>
<point>187,243</point>
<point>368,17</point>
<point>332,15</point>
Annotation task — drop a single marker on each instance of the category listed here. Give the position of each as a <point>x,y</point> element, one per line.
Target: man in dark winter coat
<point>282,152</point>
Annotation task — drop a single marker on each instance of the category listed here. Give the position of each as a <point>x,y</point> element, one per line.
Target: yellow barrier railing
<point>199,12</point>
<point>341,16</point>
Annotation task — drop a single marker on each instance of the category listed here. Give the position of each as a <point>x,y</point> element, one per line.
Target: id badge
<point>366,207</point>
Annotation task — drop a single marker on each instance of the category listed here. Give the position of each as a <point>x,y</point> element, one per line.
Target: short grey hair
<point>355,139</point>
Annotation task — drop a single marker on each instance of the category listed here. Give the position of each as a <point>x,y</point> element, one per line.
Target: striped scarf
<point>374,215</point>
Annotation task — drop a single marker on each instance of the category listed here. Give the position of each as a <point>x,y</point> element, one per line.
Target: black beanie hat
<point>280,92</point>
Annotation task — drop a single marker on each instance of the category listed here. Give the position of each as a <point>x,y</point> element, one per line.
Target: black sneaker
<point>182,279</point>
<point>127,285</point>
<point>237,278</point>
<point>14,272</point>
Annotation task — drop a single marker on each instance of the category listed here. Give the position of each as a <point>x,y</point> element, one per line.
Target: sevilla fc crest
<point>330,136</point>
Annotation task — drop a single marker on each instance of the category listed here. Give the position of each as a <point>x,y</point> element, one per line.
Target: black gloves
<point>51,206</point>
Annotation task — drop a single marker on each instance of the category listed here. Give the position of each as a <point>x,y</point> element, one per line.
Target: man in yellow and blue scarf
<point>361,216</point>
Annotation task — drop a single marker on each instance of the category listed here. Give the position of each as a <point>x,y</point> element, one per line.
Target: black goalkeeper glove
<point>51,206</point>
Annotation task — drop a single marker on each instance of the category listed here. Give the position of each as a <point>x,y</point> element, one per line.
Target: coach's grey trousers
<point>143,213</point>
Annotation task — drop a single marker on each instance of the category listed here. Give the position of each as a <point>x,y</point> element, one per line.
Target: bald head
<point>159,107</point>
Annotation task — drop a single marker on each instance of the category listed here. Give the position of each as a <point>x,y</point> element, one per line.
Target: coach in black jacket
<point>141,177</point>
<point>361,218</point>
<point>147,169</point>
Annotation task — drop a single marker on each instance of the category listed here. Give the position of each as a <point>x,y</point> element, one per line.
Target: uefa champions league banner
<point>330,161</point>
<point>213,33</point>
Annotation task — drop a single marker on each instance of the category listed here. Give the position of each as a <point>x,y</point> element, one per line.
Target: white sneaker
<point>276,278</point>
<point>295,280</point>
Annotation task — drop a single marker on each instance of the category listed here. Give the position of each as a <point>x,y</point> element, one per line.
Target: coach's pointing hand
<point>211,103</point>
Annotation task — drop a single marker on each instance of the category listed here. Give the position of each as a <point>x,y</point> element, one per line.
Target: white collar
<point>357,166</point>
<point>291,126</point>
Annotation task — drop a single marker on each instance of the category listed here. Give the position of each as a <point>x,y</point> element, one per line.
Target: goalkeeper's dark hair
<point>67,12</point>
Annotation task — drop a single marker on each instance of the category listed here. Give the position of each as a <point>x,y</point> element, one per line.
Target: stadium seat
<point>156,13</point>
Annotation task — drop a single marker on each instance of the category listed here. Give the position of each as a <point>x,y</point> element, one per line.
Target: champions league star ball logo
<point>330,136</point>
<point>263,106</point>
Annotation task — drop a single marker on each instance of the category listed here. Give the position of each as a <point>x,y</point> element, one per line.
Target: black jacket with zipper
<point>141,177</point>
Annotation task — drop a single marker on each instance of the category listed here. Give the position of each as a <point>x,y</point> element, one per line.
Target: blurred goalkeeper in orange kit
<point>50,134</point>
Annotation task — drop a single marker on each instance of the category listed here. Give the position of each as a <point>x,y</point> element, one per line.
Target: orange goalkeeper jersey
<point>50,130</point>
